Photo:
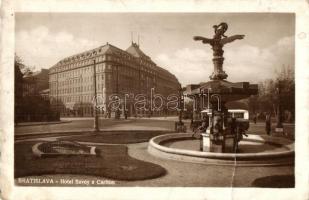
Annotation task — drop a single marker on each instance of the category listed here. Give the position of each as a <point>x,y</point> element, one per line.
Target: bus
<point>239,113</point>
<point>236,113</point>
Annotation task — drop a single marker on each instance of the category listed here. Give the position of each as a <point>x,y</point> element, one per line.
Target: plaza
<point>178,173</point>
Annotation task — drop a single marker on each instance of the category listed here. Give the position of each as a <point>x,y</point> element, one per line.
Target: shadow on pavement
<point>276,181</point>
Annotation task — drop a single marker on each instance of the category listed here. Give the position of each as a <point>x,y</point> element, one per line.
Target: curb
<point>42,123</point>
<point>37,152</point>
<point>50,134</point>
<point>243,159</point>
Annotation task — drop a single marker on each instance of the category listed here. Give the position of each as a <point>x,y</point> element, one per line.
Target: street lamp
<point>179,126</point>
<point>279,126</point>
<point>96,120</point>
<point>81,95</point>
<point>117,113</point>
<point>57,93</point>
<point>181,101</point>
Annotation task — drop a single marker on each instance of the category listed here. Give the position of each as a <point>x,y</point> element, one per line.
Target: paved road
<point>159,123</point>
<point>104,124</point>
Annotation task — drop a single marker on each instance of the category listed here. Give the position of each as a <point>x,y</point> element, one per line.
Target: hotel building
<point>117,72</point>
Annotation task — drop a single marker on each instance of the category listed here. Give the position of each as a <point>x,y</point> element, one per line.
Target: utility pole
<point>96,120</point>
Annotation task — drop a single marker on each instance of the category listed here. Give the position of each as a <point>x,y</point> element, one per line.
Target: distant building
<point>35,82</point>
<point>118,72</point>
<point>44,94</point>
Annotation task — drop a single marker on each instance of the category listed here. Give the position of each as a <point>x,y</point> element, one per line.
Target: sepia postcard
<point>154,100</point>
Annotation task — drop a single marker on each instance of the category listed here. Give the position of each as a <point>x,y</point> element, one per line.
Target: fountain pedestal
<point>226,145</point>
<point>209,145</point>
<point>218,137</point>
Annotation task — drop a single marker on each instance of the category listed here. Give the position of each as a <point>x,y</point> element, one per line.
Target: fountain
<point>221,139</point>
<point>223,132</point>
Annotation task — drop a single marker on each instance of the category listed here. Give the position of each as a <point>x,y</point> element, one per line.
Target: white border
<point>8,7</point>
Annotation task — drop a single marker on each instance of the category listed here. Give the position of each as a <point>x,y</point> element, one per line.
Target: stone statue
<point>217,43</point>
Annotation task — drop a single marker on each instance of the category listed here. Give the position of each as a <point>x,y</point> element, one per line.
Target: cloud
<point>242,63</point>
<point>187,64</point>
<point>42,48</point>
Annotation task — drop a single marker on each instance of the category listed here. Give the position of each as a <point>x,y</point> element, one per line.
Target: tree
<point>29,107</point>
<point>18,90</point>
<point>286,84</point>
<point>268,97</point>
<point>253,104</point>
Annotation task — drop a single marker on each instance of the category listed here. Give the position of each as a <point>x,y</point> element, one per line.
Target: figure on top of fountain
<point>217,39</point>
<point>217,43</point>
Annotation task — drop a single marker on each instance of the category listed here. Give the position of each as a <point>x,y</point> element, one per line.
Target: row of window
<point>100,68</point>
<point>87,88</point>
<point>76,99</point>
<point>78,73</point>
<point>80,63</point>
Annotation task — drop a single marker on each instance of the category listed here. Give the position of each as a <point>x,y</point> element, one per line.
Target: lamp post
<point>117,111</point>
<point>96,119</point>
<point>181,101</point>
<point>81,95</point>
<point>279,126</point>
<point>179,126</point>
<point>57,94</point>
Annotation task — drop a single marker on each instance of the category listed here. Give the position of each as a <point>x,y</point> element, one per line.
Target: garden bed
<point>112,162</point>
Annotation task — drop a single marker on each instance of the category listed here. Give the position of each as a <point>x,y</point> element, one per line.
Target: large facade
<point>118,72</point>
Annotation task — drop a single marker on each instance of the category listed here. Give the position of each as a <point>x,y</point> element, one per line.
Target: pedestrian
<point>233,126</point>
<point>254,118</point>
<point>204,124</point>
<point>268,123</point>
<point>197,132</point>
<point>125,114</point>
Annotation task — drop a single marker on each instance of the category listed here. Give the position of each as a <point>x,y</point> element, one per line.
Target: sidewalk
<point>104,124</point>
<point>41,123</point>
<point>169,118</point>
<point>273,124</point>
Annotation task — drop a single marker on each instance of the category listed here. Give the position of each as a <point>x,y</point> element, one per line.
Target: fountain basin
<point>165,146</point>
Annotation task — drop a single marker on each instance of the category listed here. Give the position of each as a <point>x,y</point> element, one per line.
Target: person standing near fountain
<point>197,133</point>
<point>268,123</point>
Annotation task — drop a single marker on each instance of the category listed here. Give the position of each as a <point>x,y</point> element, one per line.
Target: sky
<point>42,39</point>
